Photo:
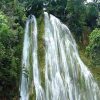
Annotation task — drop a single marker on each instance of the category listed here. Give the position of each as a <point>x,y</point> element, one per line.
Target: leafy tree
<point>10,54</point>
<point>93,49</point>
<point>76,17</point>
<point>91,15</point>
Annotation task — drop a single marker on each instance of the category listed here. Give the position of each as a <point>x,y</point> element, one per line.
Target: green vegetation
<point>10,57</point>
<point>82,18</point>
<point>41,50</point>
<point>93,48</point>
<point>93,68</point>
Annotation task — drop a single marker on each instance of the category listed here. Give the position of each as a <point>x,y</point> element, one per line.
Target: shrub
<point>93,49</point>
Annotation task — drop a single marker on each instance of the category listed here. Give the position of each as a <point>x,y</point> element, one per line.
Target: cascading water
<point>30,62</point>
<point>66,76</point>
<point>25,65</point>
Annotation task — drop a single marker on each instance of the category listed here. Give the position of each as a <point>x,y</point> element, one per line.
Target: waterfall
<point>30,70</point>
<point>66,76</point>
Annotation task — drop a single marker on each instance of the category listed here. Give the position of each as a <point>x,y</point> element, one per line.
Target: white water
<point>66,76</point>
<point>30,63</point>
